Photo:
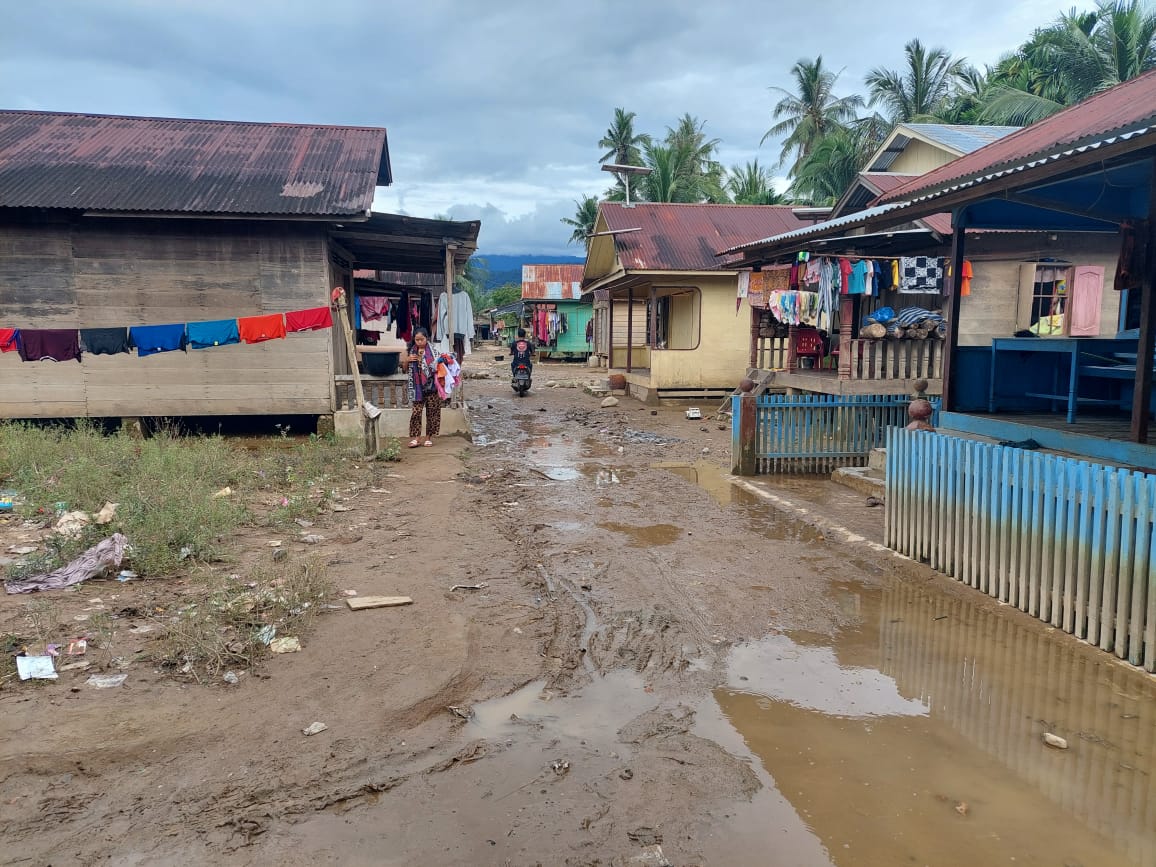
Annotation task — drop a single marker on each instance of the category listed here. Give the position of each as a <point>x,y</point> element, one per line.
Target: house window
<point>1044,298</point>
<point>678,319</point>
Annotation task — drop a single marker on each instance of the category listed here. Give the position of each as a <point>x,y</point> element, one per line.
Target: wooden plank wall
<point>1070,542</point>
<point>103,273</point>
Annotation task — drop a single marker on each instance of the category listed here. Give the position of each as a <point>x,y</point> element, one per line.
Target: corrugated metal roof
<point>162,165</point>
<point>825,228</point>
<point>962,138</point>
<point>1122,109</point>
<point>687,237</point>
<point>552,282</point>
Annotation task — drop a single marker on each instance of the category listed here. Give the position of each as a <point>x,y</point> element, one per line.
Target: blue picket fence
<point>1070,542</point>
<point>816,433</point>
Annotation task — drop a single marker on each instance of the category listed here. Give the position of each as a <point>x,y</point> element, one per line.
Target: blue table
<point>1066,355</point>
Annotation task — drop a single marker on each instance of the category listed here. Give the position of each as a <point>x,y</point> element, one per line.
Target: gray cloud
<point>493,109</point>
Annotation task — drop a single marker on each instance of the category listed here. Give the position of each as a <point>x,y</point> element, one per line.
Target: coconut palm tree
<point>585,215</point>
<point>623,145</point>
<point>921,90</point>
<point>828,170</point>
<point>702,175</point>
<point>670,179</point>
<point>752,185</point>
<point>1078,55</point>
<point>807,115</point>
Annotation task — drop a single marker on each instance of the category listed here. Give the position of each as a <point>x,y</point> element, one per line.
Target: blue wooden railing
<point>1067,541</point>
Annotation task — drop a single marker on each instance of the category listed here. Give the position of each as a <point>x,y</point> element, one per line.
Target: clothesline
<point>68,344</point>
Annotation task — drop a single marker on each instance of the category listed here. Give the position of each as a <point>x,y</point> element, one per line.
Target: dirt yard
<point>613,656</point>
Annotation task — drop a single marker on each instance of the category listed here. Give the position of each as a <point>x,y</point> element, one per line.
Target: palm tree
<point>623,146</point>
<point>967,103</point>
<point>670,179</point>
<point>828,170</point>
<point>921,91</point>
<point>752,185</point>
<point>701,174</point>
<point>806,116</point>
<point>585,215</point>
<point>1073,58</point>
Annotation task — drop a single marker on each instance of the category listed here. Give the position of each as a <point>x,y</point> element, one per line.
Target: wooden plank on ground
<point>359,603</point>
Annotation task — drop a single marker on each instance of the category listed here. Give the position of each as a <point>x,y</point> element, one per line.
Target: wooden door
<point>1085,297</point>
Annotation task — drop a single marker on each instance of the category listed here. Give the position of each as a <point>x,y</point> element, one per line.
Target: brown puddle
<point>915,737</point>
<point>646,535</point>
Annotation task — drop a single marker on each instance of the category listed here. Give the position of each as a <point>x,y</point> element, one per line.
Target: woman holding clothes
<point>423,372</point>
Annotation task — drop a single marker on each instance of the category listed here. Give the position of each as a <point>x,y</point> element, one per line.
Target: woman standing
<point>423,370</point>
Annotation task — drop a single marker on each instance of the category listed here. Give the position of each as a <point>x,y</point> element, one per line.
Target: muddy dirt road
<point>660,669</point>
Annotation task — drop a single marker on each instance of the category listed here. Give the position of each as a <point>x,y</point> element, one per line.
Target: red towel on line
<point>254,329</point>
<point>7,339</point>
<point>313,319</point>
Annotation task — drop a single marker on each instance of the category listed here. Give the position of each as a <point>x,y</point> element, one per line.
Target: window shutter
<point>1086,295</point>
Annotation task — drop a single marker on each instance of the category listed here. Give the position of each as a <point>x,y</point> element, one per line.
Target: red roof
<point>166,165</point>
<point>686,237</point>
<point>1122,108</point>
<point>885,182</point>
<point>552,282</point>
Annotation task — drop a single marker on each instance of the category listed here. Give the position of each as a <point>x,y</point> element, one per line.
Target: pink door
<point>1086,294</point>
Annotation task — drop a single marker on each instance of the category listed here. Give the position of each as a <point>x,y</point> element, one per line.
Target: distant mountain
<point>508,269</point>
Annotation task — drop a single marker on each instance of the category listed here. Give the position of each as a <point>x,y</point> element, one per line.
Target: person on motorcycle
<point>521,352</point>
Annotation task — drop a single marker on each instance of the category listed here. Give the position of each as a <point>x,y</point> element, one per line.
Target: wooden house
<point>665,312</point>
<point>554,312</point>
<point>123,221</point>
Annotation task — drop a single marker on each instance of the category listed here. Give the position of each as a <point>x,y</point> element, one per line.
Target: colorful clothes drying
<point>314,319</point>
<point>220,332</point>
<point>151,339</point>
<point>920,275</point>
<point>105,341</point>
<point>8,339</point>
<point>49,344</point>
<point>257,329</point>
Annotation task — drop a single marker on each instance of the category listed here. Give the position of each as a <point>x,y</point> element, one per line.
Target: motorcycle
<point>520,381</point>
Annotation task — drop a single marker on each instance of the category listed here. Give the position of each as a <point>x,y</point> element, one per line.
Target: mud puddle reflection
<point>763,517</point>
<point>915,737</point>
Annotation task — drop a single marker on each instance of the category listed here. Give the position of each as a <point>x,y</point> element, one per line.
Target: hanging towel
<point>105,341</point>
<point>151,339</point>
<point>314,319</point>
<point>219,332</point>
<point>373,307</point>
<point>49,344</point>
<point>8,339</point>
<point>256,329</point>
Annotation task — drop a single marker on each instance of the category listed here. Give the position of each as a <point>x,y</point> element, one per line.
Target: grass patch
<point>164,486</point>
<point>222,628</point>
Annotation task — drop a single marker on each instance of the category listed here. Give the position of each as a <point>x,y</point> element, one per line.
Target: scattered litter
<point>231,677</point>
<point>312,539</point>
<point>517,631</point>
<point>266,633</point>
<point>379,491</point>
<point>626,774</point>
<point>378,602</point>
<point>609,401</point>
<point>78,647</point>
<point>462,712</point>
<point>100,557</point>
<point>106,681</point>
<point>338,507</point>
<point>285,644</point>
<point>962,808</point>
<point>348,592</point>
<point>38,667</point>
<point>314,728</point>
<point>143,629</point>
<point>706,451</point>
<point>302,522</point>
<point>224,492</point>
<point>274,543</point>
<point>186,553</point>
<point>106,514</point>
<point>479,586</point>
<point>560,767</point>
<point>650,856</point>
<point>125,575</point>
<point>7,500</point>
<point>872,502</point>
<point>78,665</point>
<point>72,523</point>
<point>21,549</point>
<point>693,412</point>
<point>511,503</point>
<point>1055,741</point>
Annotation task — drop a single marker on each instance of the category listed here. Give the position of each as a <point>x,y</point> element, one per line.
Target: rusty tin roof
<point>552,282</point>
<point>165,165</point>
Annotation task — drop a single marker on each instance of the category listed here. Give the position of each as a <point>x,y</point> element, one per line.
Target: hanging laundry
<point>49,344</point>
<point>857,276</point>
<point>777,279</point>
<point>373,307</point>
<point>794,308</point>
<point>105,341</point>
<point>920,274</point>
<point>257,329</point>
<point>1130,264</point>
<point>151,339</point>
<point>313,319</point>
<point>811,275</point>
<point>8,339</point>
<point>219,332</point>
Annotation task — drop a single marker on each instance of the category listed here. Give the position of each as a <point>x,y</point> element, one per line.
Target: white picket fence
<point>1067,541</point>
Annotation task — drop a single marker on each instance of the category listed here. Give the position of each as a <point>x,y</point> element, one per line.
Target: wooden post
<point>369,424</point>
<point>653,321</point>
<point>744,428</point>
<point>449,278</point>
<point>1142,390</point>
<point>846,322</point>
<point>610,332</point>
<point>629,328</point>
<point>958,232</point>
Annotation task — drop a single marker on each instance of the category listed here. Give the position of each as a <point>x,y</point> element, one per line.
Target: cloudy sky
<point>493,108</point>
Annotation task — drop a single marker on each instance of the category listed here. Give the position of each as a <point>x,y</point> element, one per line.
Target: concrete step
<point>862,479</point>
<point>877,460</point>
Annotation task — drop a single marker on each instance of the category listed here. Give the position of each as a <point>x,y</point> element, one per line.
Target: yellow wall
<point>720,360</point>
<point>919,158</point>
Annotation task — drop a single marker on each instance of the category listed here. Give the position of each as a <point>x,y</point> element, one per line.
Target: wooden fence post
<point>744,428</point>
